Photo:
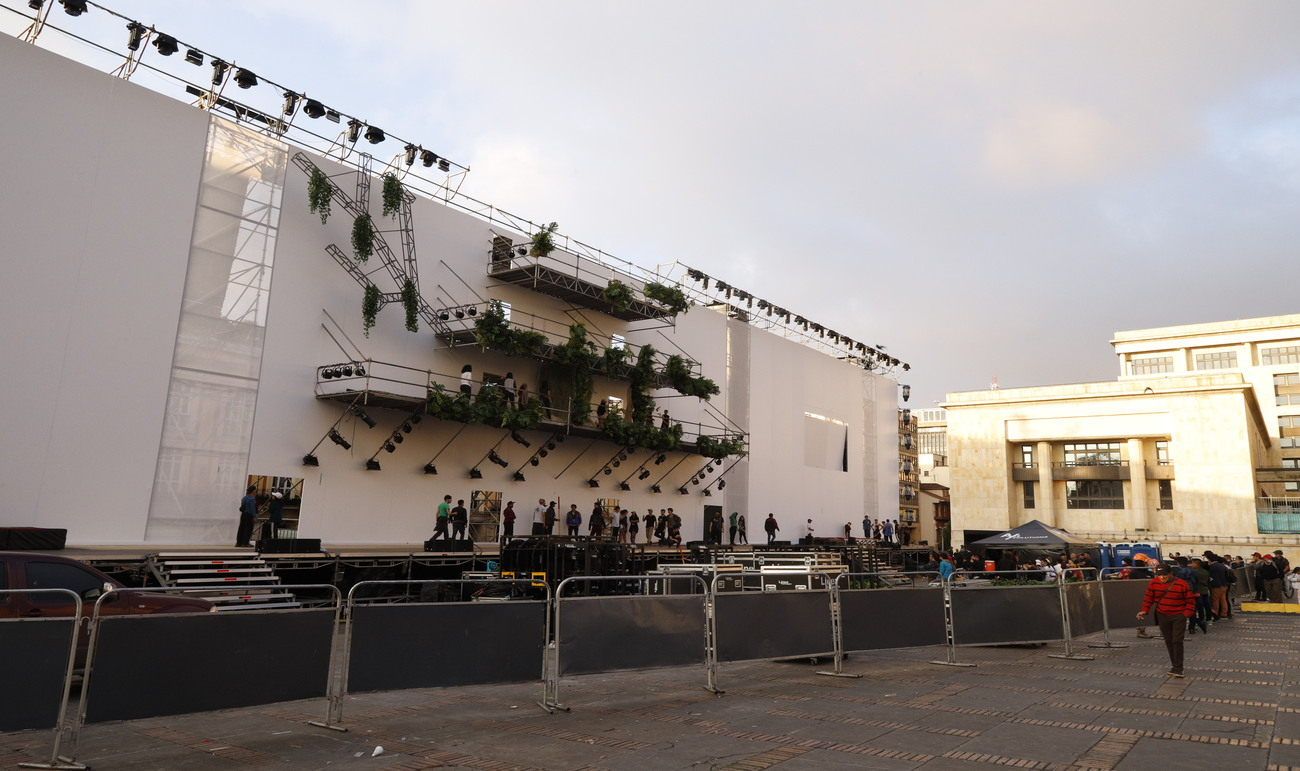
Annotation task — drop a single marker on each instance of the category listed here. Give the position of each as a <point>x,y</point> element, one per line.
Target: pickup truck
<point>27,570</point>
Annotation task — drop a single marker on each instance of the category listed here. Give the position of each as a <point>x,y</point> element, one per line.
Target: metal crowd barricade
<point>1122,588</point>
<point>36,691</point>
<point>437,643</point>
<point>740,621</point>
<point>661,626</point>
<point>979,613</point>
<point>1081,611</point>
<point>864,600</point>
<point>268,657</point>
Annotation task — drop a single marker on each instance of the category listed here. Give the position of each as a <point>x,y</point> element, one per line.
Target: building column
<point>1137,470</point>
<point>1045,500</point>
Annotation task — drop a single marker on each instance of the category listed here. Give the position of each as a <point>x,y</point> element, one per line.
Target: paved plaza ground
<point>1238,708</point>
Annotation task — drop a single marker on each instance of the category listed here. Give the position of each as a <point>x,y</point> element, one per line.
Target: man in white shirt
<point>539,517</point>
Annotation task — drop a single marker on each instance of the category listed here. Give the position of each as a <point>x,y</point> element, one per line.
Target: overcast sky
<point>987,188</point>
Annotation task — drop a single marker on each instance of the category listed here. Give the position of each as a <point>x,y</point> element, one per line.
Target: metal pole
<point>1065,627</point>
<point>1105,617</point>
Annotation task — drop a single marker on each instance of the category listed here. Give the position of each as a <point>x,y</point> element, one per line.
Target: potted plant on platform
<point>544,241</point>
<point>618,295</point>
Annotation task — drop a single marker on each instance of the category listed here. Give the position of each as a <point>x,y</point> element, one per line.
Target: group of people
<point>885,531</point>
<point>619,526</point>
<point>511,392</point>
<point>455,518</point>
<point>250,508</point>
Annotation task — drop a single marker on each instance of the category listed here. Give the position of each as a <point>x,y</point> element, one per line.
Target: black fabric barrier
<point>1083,601</point>
<point>170,664</point>
<point>443,645</point>
<point>1006,614</point>
<point>875,619</point>
<point>604,634</point>
<point>769,625</point>
<point>1123,601</point>
<point>31,679</point>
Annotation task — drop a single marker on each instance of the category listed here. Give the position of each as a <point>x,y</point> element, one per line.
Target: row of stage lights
<point>773,310</point>
<point>342,370</point>
<point>166,45</point>
<point>460,312</point>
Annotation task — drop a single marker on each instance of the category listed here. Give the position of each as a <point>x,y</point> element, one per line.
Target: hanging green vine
<point>618,295</point>
<point>579,355</point>
<point>411,302</point>
<point>630,433</point>
<point>494,331</point>
<point>369,307</point>
<point>642,377</point>
<point>392,194</point>
<point>614,361</point>
<point>679,377</point>
<point>363,237</point>
<point>319,193</point>
<point>720,448</point>
<point>544,241</point>
<point>669,297</point>
<point>488,407</point>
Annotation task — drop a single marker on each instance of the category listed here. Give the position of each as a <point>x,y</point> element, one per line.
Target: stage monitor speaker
<point>288,545</point>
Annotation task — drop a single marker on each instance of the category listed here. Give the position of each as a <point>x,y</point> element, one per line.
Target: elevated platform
<point>571,289</point>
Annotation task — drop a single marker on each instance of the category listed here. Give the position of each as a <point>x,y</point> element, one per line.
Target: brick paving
<point>1238,707</point>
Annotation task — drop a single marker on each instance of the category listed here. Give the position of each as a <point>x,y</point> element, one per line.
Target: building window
<point>1285,400</point>
<point>1286,379</point>
<point>1092,454</point>
<point>1162,453</point>
<point>1286,354</point>
<point>1289,442</point>
<point>618,342</point>
<point>1029,494</point>
<point>1027,456</point>
<point>1291,463</point>
<point>1288,421</point>
<point>1151,366</point>
<point>1094,494</point>
<point>1166,494</point>
<point>1216,360</point>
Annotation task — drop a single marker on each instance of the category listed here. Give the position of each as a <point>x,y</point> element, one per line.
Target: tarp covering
<point>1031,534</point>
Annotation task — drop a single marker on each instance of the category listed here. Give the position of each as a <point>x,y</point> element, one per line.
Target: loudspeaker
<point>449,546</point>
<point>288,545</point>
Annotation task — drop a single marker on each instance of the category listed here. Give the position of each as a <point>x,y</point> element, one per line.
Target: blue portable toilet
<point>1114,554</point>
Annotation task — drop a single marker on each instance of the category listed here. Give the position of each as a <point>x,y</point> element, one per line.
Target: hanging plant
<point>544,241</point>
<point>393,194</point>
<point>488,407</point>
<point>681,380</point>
<point>642,377</point>
<point>618,295</point>
<point>369,307</point>
<point>614,360</point>
<point>411,302</point>
<point>579,355</point>
<point>363,237</point>
<point>319,193</point>
<point>493,331</point>
<point>669,297</point>
<point>720,448</point>
<point>632,434</point>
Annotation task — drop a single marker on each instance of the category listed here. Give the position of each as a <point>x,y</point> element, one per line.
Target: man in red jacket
<point>1175,603</point>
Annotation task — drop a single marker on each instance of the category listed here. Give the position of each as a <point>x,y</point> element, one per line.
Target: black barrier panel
<point>436,646</point>
<point>875,619</point>
<point>1006,614</point>
<point>1083,601</point>
<point>610,633</point>
<point>31,678</point>
<point>769,625</point>
<point>170,664</point>
<point>1123,601</point>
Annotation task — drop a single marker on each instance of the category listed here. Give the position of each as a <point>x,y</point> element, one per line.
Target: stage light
<point>522,251</point>
<point>444,165</point>
<point>645,473</point>
<point>608,471</point>
<point>624,486</point>
<point>907,392</point>
<point>622,456</point>
<point>74,7</point>
<point>474,473</point>
<point>327,374</point>
<point>398,438</point>
<point>219,69</point>
<point>460,314</point>
<point>245,78</point>
<point>427,158</point>
<point>444,316</point>
<point>416,419</point>
<point>722,483</point>
<point>407,428</point>
<point>550,445</point>
<point>332,115</point>
<point>345,370</point>
<point>617,463</point>
<point>593,483</point>
<point>683,490</point>
<point>134,34</point>
<point>374,135</point>
<point>410,153</point>
<point>390,447</point>
<point>429,468</point>
<point>655,489</point>
<point>497,459</point>
<point>534,461</point>
<point>472,311</point>
<point>542,453</point>
<point>519,439</point>
<point>364,418</point>
<point>708,493</point>
<point>310,460</point>
<point>361,372</point>
<point>660,459</point>
<point>519,476</point>
<point>906,366</point>
<point>290,102</point>
<point>560,437</point>
<point>338,439</point>
<point>35,5</point>
<point>354,130</point>
<point>313,109</point>
<point>372,465</point>
<point>695,480</point>
<point>194,57</point>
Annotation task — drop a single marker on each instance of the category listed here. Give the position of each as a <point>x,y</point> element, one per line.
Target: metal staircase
<point>236,580</point>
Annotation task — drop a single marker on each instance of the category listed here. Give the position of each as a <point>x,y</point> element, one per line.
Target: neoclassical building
<point>1193,441</point>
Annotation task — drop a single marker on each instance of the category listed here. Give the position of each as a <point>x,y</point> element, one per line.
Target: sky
<point>991,189</point>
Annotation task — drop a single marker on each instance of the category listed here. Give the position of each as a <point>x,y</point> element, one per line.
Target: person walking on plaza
<point>1270,578</point>
<point>1174,603</point>
<point>1220,575</point>
<point>247,513</point>
<point>444,514</point>
<point>1293,583</point>
<point>1202,589</point>
<point>771,527</point>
